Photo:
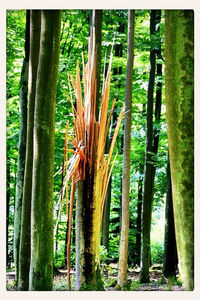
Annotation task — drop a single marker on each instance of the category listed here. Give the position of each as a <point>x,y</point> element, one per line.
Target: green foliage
<point>74,41</point>
<point>173,281</point>
<point>60,283</point>
<point>157,251</point>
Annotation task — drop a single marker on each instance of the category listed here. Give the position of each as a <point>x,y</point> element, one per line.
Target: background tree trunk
<point>139,207</point>
<point>147,200</point>
<point>179,54</point>
<point>106,213</point>
<point>25,246</point>
<point>80,245</point>
<point>170,252</point>
<point>139,222</point>
<point>41,271</point>
<point>107,204</point>
<point>151,146</point>
<point>123,255</point>
<point>22,147</point>
<point>8,262</point>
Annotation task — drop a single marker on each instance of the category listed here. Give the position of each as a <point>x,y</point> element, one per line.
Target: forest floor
<point>157,281</point>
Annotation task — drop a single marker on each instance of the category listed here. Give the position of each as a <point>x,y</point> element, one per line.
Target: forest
<point>100,150</point>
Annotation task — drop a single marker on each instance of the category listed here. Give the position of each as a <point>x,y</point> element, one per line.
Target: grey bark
<point>23,95</point>
<point>24,251</point>
<point>139,223</point>
<point>7,205</point>
<point>80,244</point>
<point>122,275</point>
<point>41,269</point>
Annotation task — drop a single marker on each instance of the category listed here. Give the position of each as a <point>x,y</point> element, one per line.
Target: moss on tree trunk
<point>41,270</point>
<point>179,53</point>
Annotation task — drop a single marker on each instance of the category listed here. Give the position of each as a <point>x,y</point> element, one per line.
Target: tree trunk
<point>91,225</point>
<point>139,223</point>
<point>139,207</point>
<point>170,251</point>
<point>21,148</point>
<point>41,270</point>
<point>8,262</point>
<point>24,251</point>
<point>96,22</point>
<point>179,53</point>
<point>84,279</point>
<point>80,245</point>
<point>122,275</point>
<point>151,148</point>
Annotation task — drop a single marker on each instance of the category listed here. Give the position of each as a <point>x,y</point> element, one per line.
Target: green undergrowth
<point>60,283</point>
<point>157,282</point>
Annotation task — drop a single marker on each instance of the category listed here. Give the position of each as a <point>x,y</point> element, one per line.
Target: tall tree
<point>41,269</point>
<point>123,255</point>
<point>23,95</point>
<point>179,53</point>
<point>25,240</point>
<point>170,252</point>
<point>151,144</point>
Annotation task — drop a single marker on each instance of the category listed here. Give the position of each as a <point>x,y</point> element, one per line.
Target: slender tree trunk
<point>80,245</point>
<point>7,205</point>
<point>25,240</point>
<point>151,147</point>
<point>96,22</point>
<point>116,71</point>
<point>122,275</point>
<point>139,207</point>
<point>22,147</point>
<point>139,223</point>
<point>41,270</point>
<point>66,236</point>
<point>170,252</point>
<point>179,54</point>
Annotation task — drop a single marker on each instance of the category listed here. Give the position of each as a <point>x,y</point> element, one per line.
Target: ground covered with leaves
<point>157,281</point>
